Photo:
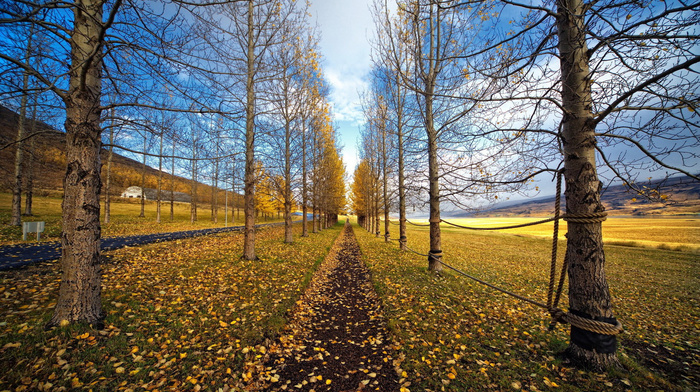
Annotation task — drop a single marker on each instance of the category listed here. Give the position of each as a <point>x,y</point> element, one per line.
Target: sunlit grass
<point>669,233</point>
<point>487,340</point>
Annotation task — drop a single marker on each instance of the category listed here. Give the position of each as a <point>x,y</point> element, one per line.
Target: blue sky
<point>345,30</point>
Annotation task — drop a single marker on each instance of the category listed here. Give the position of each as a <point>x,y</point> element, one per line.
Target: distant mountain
<point>682,196</point>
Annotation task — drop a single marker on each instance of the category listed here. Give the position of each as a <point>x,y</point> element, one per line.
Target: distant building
<point>134,192</point>
<point>152,194</point>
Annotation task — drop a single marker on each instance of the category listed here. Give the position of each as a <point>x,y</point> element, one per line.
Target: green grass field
<point>459,335</point>
<point>124,218</point>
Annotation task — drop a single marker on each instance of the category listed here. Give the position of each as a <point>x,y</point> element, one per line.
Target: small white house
<point>134,192</point>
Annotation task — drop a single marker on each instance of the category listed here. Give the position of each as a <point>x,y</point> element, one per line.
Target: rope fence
<point>553,295</point>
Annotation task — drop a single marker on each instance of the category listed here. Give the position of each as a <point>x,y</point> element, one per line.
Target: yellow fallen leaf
<point>223,324</point>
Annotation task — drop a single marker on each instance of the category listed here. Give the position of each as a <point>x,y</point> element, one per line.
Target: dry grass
<point>663,232</point>
<point>124,218</point>
<point>458,335</point>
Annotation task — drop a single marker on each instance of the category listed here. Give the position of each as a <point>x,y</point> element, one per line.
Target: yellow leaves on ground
<point>179,315</point>
<point>457,335</point>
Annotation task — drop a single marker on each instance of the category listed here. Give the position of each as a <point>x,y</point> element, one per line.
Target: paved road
<point>14,256</point>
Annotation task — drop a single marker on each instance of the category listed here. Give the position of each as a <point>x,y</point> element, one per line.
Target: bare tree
<point>588,80</point>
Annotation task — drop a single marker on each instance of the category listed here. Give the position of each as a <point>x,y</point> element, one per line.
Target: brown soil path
<point>337,338</point>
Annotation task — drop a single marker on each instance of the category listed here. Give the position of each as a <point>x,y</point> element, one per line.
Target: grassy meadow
<point>189,314</point>
<point>458,335</point>
<point>661,232</point>
<point>182,315</point>
<point>124,218</point>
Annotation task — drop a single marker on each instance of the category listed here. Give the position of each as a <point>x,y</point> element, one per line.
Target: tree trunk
<point>215,194</point>
<point>402,179</point>
<point>288,183</point>
<point>160,178</point>
<point>108,177</point>
<point>435,253</point>
<point>172,186</point>
<point>29,172</point>
<point>385,181</point>
<point>304,196</point>
<point>249,181</point>
<point>143,180</point>
<point>80,287</point>
<point>193,202</point>
<point>19,152</point>
<point>589,295</point>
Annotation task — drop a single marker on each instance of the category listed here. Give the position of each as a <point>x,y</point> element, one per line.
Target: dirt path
<point>337,339</point>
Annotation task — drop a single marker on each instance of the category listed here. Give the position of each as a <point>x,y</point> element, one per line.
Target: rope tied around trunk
<point>553,296</point>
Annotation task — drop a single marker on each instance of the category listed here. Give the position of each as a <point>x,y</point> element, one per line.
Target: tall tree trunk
<point>589,295</point>
<point>304,196</point>
<point>29,172</point>
<point>435,252</point>
<point>143,180</point>
<point>402,179</point>
<point>108,177</point>
<point>172,185</point>
<point>385,181</point>
<point>249,181</point>
<point>215,194</point>
<point>193,203</point>
<point>21,135</point>
<point>288,181</point>
<point>160,178</point>
<point>80,288</point>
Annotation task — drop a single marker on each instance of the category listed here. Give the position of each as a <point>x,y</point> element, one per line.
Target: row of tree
<point>232,89</point>
<point>473,98</point>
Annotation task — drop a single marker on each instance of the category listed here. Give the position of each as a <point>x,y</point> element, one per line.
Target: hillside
<point>683,198</point>
<point>49,162</point>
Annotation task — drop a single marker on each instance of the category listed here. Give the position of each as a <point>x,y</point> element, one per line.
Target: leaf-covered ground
<point>337,339</point>
<point>457,335</point>
<point>181,315</point>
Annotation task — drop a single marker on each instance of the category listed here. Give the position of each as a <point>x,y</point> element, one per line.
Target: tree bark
<point>288,238</point>
<point>108,177</point>
<point>29,171</point>
<point>402,179</point>
<point>143,180</point>
<point>172,186</point>
<point>249,181</point>
<point>80,287</point>
<point>215,194</point>
<point>160,178</point>
<point>435,253</point>
<point>193,202</point>
<point>21,135</point>
<point>304,196</point>
<point>589,295</point>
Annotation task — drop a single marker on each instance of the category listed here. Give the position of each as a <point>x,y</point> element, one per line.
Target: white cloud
<point>345,27</point>
<point>345,95</point>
